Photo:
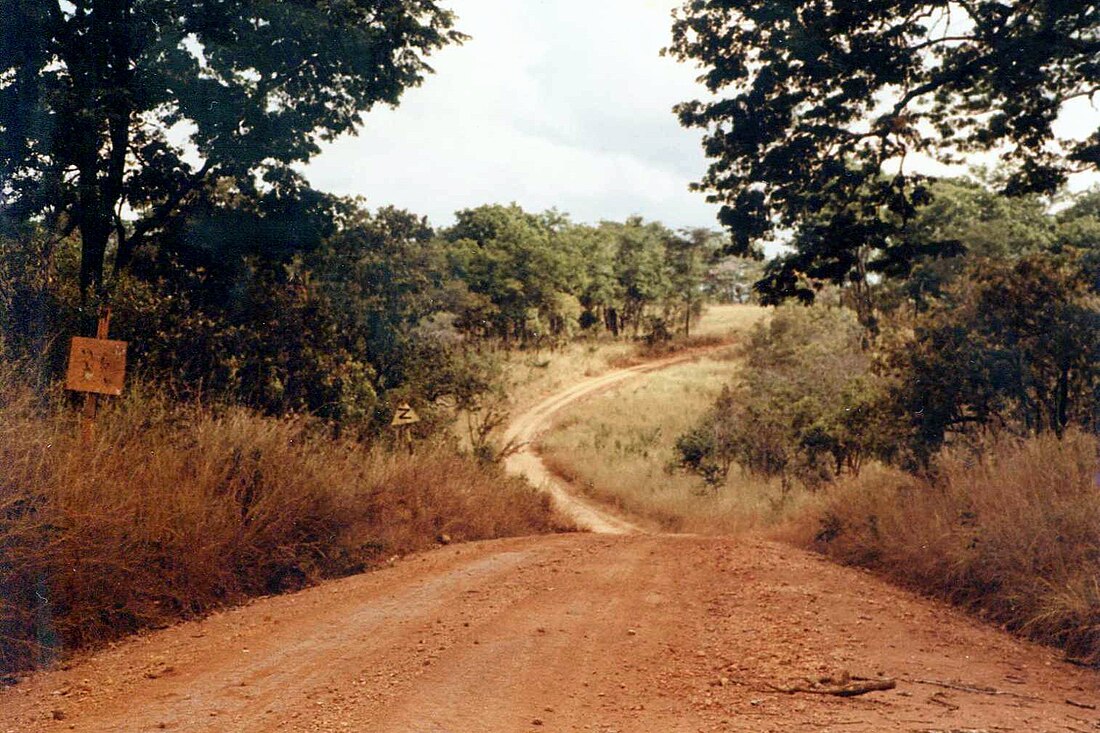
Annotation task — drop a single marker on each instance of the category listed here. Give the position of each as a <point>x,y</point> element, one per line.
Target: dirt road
<point>582,632</point>
<point>525,429</point>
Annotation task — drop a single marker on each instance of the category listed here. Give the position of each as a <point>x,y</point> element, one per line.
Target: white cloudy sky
<point>552,103</point>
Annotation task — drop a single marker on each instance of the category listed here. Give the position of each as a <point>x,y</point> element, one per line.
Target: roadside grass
<point>173,511</point>
<point>619,446</point>
<point>1013,537</point>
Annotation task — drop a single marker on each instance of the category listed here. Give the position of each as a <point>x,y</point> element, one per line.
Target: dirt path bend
<point>578,632</point>
<point>525,429</point>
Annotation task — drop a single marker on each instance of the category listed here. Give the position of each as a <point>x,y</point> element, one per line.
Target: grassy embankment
<point>175,511</point>
<point>1014,537</point>
<point>618,445</point>
<point>532,377</point>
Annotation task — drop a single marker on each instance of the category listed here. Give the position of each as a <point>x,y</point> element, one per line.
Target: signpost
<point>97,366</point>
<point>403,417</point>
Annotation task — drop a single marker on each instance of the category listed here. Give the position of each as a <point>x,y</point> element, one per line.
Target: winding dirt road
<point>526,428</point>
<point>583,632</point>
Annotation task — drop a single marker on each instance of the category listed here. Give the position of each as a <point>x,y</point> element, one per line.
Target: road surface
<point>581,632</point>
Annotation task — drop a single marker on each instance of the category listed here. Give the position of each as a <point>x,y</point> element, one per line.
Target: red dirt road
<point>583,632</point>
<point>569,633</point>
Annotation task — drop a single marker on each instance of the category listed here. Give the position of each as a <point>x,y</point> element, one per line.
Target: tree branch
<point>127,246</point>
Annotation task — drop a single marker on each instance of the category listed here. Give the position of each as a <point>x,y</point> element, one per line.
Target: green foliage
<point>817,105</point>
<point>981,222</point>
<point>508,257</point>
<point>314,305</point>
<point>98,96</point>
<point>709,449</point>
<point>1079,234</point>
<point>530,278</point>
<point>1004,340</point>
<point>1013,346</point>
<point>803,408</point>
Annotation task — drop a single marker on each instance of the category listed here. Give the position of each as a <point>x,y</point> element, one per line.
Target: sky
<point>562,104</point>
<point>551,103</point>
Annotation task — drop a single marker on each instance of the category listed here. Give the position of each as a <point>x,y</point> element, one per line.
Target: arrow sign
<point>405,415</point>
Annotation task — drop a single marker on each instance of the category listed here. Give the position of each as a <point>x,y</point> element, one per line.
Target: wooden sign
<point>96,365</point>
<point>405,415</point>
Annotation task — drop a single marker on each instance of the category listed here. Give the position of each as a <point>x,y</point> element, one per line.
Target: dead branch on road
<point>843,686</point>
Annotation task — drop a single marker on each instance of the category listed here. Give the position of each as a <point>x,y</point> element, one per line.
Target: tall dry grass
<point>1014,537</point>
<point>176,510</point>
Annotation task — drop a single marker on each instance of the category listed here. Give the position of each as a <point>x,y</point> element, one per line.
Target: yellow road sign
<point>405,415</point>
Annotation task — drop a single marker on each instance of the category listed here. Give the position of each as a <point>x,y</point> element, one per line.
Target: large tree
<point>114,114</point>
<point>819,107</point>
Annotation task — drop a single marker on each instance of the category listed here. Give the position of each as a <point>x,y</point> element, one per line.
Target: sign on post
<point>97,366</point>
<point>404,415</point>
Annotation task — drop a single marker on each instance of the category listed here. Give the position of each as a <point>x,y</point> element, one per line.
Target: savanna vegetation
<point>933,412</point>
<point>621,446</point>
<point>955,447</point>
<point>147,172</point>
<point>178,508</point>
<point>941,399</point>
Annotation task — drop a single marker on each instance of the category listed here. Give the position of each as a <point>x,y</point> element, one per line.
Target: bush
<point>804,408</point>
<point>174,511</point>
<point>1014,348</point>
<point>1014,537</point>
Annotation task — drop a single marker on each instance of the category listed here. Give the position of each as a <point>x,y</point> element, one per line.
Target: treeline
<point>294,301</point>
<point>1000,340</point>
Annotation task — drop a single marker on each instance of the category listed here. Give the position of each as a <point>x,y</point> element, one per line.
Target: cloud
<point>561,104</point>
<point>552,103</point>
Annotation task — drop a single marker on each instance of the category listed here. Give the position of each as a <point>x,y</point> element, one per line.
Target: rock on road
<point>581,632</point>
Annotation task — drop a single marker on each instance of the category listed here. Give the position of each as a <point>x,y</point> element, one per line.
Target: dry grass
<point>724,320</point>
<point>174,511</point>
<point>619,445</point>
<point>1015,538</point>
<point>533,377</point>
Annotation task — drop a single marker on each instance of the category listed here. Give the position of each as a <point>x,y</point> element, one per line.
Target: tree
<point>983,223</point>
<point>730,279</point>
<point>640,268</point>
<point>508,256</point>
<point>383,274</point>
<point>115,114</point>
<point>820,106</point>
<point>688,256</point>
<point>1012,347</point>
<point>803,407</point>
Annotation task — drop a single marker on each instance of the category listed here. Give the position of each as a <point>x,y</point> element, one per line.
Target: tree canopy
<point>818,109</point>
<point>114,114</point>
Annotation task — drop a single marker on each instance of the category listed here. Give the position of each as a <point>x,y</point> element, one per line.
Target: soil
<point>580,632</point>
